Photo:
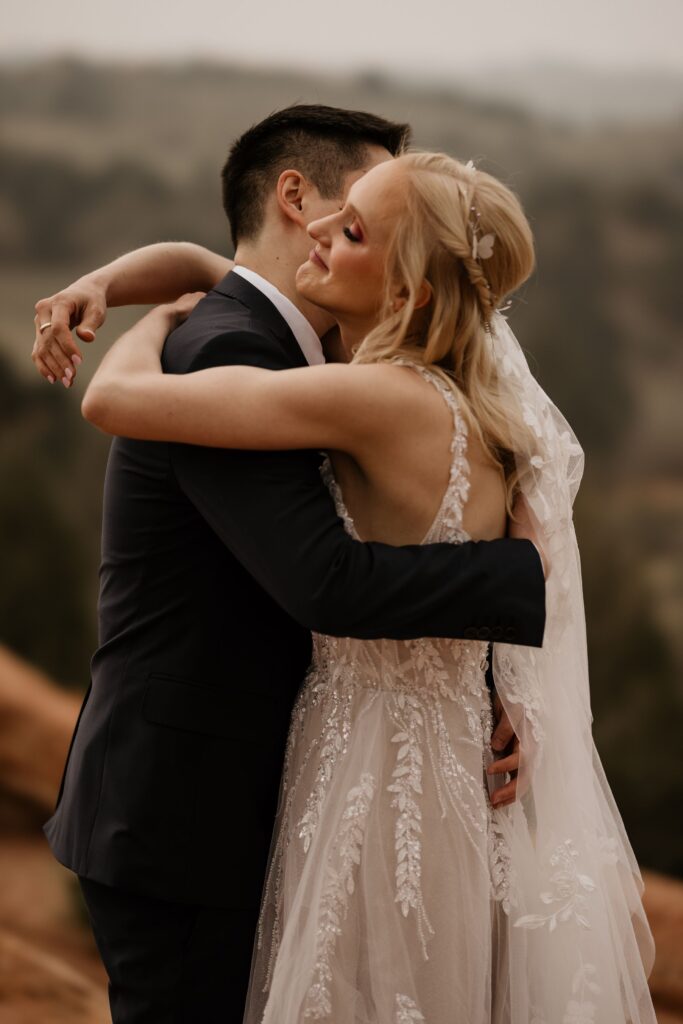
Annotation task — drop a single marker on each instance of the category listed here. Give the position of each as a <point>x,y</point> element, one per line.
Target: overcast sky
<point>440,37</point>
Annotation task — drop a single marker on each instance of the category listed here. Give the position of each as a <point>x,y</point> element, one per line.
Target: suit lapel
<point>236,287</point>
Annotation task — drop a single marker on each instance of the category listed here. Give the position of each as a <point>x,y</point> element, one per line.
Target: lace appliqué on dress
<point>338,887</point>
<point>568,894</point>
<point>520,688</point>
<point>407,1011</point>
<point>407,788</point>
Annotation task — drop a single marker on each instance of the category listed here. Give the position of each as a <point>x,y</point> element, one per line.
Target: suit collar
<point>236,287</point>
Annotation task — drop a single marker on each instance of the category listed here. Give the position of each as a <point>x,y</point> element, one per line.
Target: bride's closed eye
<point>351,236</point>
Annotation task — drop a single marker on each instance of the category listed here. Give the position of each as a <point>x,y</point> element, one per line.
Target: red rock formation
<point>36,722</point>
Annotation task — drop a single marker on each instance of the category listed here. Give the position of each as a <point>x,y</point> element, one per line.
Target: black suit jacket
<point>215,567</point>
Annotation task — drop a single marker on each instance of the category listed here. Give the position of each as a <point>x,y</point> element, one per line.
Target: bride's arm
<point>335,406</point>
<point>155,273</point>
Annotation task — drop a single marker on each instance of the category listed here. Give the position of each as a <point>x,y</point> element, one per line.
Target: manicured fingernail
<point>76,360</point>
<point>68,372</point>
<point>66,382</point>
<point>50,378</point>
<point>86,330</point>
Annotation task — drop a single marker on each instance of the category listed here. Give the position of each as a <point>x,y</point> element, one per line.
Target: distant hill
<point>584,95</point>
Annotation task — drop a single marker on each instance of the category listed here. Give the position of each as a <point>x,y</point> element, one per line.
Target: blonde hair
<point>446,203</point>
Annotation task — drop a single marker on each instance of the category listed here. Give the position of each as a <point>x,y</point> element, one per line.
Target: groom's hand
<point>505,744</point>
<point>81,306</point>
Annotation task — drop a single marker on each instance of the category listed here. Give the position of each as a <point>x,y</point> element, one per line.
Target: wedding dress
<point>395,893</point>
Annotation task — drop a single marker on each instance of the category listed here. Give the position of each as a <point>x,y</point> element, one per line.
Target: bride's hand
<point>163,319</point>
<point>82,306</point>
<point>179,310</point>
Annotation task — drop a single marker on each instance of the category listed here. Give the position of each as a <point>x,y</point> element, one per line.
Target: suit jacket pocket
<point>231,712</point>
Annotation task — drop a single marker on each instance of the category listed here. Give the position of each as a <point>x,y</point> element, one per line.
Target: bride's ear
<point>422,299</point>
<point>424,294</point>
<point>290,193</point>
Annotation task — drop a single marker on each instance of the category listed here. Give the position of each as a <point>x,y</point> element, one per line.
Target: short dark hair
<point>324,143</point>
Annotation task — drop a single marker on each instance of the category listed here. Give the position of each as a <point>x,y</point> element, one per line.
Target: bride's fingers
<point>46,364</point>
<point>504,764</point>
<point>47,349</point>
<point>42,367</point>
<point>55,341</point>
<point>507,794</point>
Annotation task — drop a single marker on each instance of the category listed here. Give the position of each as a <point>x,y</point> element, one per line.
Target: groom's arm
<point>274,513</point>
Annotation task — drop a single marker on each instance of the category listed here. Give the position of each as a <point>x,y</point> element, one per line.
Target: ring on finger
<point>44,327</point>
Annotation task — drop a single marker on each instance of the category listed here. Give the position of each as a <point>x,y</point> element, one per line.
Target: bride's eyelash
<point>350,235</point>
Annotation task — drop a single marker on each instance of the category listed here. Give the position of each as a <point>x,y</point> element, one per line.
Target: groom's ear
<point>290,193</point>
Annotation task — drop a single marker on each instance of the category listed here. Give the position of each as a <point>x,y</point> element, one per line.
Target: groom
<point>215,567</point>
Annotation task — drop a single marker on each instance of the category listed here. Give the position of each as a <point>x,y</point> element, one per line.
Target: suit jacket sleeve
<point>274,513</point>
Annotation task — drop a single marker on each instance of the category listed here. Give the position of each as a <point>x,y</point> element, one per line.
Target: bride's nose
<point>319,230</point>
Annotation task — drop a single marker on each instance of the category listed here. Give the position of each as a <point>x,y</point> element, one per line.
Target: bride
<point>404,884</point>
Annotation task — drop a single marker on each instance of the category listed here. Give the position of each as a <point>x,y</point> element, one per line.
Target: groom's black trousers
<point>169,963</point>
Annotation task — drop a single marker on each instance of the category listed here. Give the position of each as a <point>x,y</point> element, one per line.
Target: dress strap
<point>449,518</point>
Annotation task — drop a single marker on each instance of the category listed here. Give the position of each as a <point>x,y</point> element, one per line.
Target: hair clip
<point>482,248</point>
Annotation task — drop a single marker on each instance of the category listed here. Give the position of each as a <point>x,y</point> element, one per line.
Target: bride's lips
<point>314,258</point>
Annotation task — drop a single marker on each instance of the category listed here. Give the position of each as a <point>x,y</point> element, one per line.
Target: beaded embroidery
<point>407,1011</point>
<point>339,887</point>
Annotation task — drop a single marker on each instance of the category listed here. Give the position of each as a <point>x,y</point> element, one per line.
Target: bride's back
<point>427,460</point>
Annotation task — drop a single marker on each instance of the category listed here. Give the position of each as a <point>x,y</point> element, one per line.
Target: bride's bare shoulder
<point>388,399</point>
<point>387,380</point>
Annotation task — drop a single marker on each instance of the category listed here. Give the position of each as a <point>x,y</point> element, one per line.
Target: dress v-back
<point>388,868</point>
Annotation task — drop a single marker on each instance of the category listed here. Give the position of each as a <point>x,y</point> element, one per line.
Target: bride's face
<point>345,272</point>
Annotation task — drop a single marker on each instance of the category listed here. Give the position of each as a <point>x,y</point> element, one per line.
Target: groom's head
<point>297,166</point>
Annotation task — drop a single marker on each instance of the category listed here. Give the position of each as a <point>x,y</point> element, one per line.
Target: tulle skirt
<point>381,906</point>
<point>397,895</point>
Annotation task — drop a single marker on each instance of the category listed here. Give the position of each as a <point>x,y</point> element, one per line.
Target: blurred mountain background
<point>97,159</point>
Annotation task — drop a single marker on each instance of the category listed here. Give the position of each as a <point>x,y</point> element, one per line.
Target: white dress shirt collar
<point>308,340</point>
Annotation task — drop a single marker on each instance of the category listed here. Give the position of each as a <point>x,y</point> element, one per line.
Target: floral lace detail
<point>407,1011</point>
<point>333,746</point>
<point>503,878</point>
<point>407,788</point>
<point>449,517</point>
<point>339,886</point>
<point>580,1009</point>
<point>568,894</point>
<point>330,481</point>
<point>500,861</point>
<point>608,847</point>
<point>519,687</point>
